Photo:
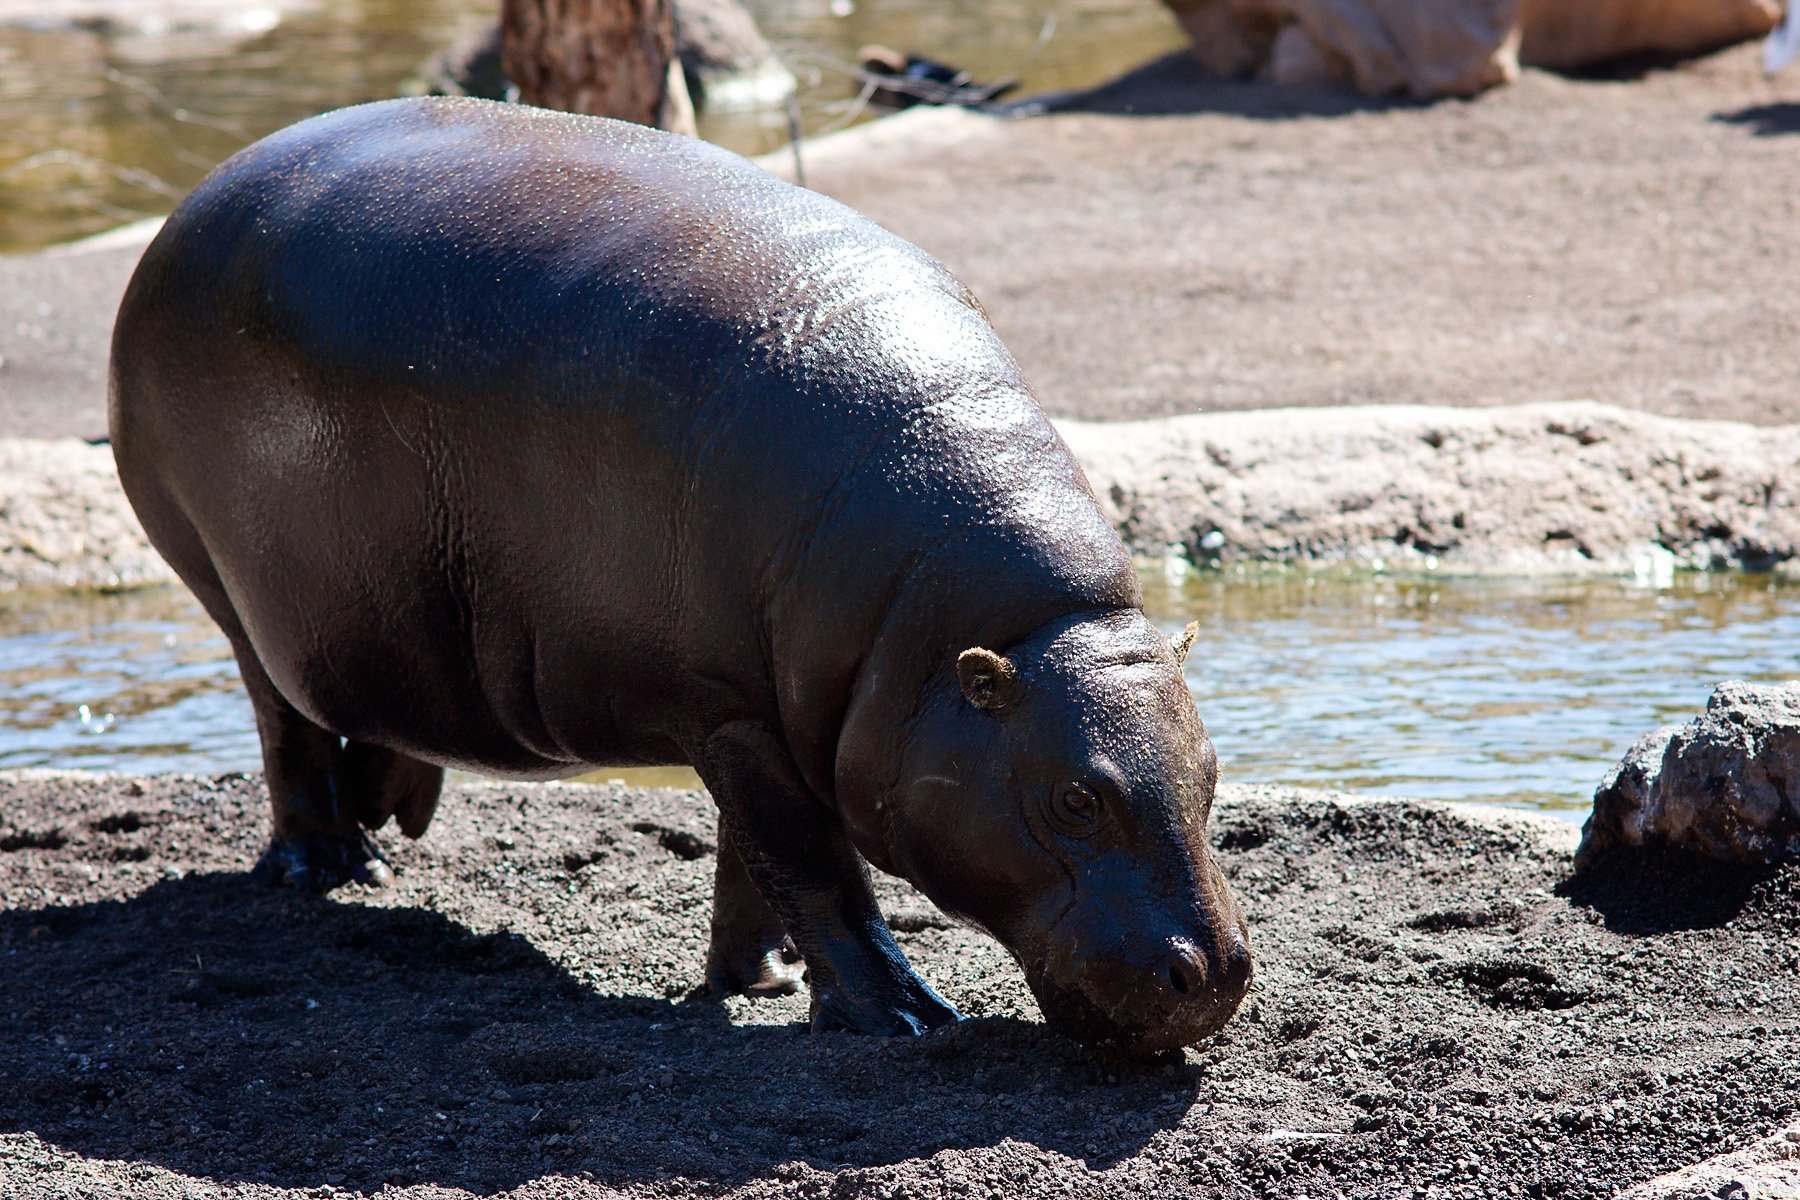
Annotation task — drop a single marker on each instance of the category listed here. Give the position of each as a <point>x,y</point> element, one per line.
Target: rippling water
<point>1520,693</point>
<point>112,119</point>
<point>1514,692</point>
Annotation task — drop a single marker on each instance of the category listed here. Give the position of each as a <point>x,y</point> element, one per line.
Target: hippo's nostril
<point>1184,969</point>
<point>1236,963</point>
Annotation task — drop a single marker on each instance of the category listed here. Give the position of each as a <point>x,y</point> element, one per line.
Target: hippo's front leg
<point>800,858</point>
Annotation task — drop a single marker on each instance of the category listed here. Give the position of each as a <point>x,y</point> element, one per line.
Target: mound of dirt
<point>1439,1011</point>
<point>1568,488</point>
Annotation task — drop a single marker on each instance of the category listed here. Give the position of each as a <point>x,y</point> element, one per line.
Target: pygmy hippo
<point>528,443</point>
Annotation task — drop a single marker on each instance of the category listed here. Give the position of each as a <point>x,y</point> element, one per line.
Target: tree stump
<point>605,58</point>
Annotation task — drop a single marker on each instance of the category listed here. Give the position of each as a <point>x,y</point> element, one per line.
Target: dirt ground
<point>1439,1011</point>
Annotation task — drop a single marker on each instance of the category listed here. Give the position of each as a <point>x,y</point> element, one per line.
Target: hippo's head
<point>1056,795</point>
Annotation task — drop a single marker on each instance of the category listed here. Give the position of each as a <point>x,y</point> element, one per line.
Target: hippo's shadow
<point>1765,120</point>
<point>1177,84</point>
<point>217,1029</point>
<point>1639,891</point>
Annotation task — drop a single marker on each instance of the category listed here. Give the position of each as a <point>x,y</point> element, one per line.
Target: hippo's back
<point>460,393</point>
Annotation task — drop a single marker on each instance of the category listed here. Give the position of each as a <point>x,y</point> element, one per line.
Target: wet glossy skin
<point>530,443</point>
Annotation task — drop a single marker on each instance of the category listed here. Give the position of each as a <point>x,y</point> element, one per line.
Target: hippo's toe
<point>908,1010</point>
<point>322,862</point>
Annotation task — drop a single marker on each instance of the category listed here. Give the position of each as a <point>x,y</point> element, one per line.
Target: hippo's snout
<point>1176,993</point>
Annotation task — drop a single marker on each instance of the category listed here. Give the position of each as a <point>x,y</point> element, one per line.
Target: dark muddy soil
<point>1438,1012</point>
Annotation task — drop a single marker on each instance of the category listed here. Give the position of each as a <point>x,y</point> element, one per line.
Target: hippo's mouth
<point>1120,1009</point>
<point>1122,1028</point>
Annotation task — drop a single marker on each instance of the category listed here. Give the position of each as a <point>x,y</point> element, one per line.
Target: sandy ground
<point>1439,1011</point>
<point>1232,246</point>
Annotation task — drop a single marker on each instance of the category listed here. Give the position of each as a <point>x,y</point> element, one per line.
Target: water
<point>1508,692</point>
<point>107,121</point>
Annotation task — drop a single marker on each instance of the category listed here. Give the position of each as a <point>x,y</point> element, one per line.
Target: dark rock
<point>470,66</point>
<point>1726,785</point>
<point>728,62</point>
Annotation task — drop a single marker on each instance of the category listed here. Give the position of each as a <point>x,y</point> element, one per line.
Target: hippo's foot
<point>756,969</point>
<point>902,1007</point>
<point>323,861</point>
<point>751,951</point>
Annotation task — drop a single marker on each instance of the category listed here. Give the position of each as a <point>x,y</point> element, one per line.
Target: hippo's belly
<point>452,579</point>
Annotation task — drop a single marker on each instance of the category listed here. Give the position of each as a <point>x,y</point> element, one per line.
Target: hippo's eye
<point>1076,809</point>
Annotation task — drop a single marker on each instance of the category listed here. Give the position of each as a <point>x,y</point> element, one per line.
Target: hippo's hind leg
<point>317,842</point>
<point>751,951</point>
<point>323,791</point>
<point>796,851</point>
<point>326,794</point>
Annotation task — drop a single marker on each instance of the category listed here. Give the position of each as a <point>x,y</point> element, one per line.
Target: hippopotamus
<point>527,443</point>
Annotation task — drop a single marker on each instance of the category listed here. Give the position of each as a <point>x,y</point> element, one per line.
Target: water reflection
<point>1514,692</point>
<point>108,120</point>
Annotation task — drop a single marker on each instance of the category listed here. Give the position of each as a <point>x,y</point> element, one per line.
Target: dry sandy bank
<point>1169,244</point>
<point>1439,1011</point>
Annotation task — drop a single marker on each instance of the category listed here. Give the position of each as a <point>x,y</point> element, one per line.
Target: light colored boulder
<point>1565,487</point>
<point>1564,37</point>
<point>1726,785</point>
<point>1422,48</point>
<point>1432,48</point>
<point>64,522</point>
<point>1767,1170</point>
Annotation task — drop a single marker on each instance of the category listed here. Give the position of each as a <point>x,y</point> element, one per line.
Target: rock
<point>1551,489</point>
<point>1422,48</point>
<point>1573,488</point>
<point>64,522</point>
<point>1431,48</point>
<point>469,66</point>
<point>1765,1170</point>
<point>727,62</point>
<point>1570,37</point>
<point>1726,785</point>
<point>154,18</point>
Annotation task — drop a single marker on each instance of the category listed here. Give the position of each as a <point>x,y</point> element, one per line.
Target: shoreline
<point>1540,489</point>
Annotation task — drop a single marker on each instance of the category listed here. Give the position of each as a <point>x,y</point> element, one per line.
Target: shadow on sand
<point>1646,892</point>
<point>1176,84</point>
<point>1765,120</point>
<point>217,1029</point>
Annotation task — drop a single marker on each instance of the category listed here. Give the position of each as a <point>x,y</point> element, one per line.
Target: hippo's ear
<point>1182,642</point>
<point>989,680</point>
